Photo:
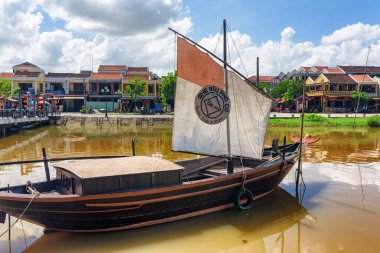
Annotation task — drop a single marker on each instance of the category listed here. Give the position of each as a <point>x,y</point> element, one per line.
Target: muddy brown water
<point>340,209</point>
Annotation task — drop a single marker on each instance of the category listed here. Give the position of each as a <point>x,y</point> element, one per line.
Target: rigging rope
<point>259,100</point>
<point>220,35</point>
<point>35,194</point>
<point>242,63</point>
<point>236,109</point>
<point>360,86</point>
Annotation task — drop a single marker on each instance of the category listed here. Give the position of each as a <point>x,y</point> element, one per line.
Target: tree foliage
<point>265,87</point>
<point>360,97</point>
<point>289,89</point>
<point>280,89</point>
<point>6,88</point>
<point>135,88</point>
<point>168,87</point>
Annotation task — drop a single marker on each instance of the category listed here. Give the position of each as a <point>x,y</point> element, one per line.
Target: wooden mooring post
<point>134,147</point>
<point>9,220</point>
<point>46,164</point>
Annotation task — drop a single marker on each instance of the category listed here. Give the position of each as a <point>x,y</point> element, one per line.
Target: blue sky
<point>66,35</point>
<point>265,19</point>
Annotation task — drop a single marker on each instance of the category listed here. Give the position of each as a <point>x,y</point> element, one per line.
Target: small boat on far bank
<point>219,114</point>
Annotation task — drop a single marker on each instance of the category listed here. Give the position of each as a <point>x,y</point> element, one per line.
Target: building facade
<point>333,92</point>
<point>100,90</point>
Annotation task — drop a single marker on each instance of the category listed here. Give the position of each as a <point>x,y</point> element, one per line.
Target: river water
<point>340,209</point>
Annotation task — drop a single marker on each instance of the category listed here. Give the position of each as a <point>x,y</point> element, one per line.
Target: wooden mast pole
<point>230,167</point>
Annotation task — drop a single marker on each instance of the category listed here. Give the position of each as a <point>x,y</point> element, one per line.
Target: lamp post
<point>106,90</point>
<point>118,93</point>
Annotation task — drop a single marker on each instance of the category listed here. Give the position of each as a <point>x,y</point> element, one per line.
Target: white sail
<point>249,109</point>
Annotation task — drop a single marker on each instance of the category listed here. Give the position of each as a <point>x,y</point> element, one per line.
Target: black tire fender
<point>249,199</point>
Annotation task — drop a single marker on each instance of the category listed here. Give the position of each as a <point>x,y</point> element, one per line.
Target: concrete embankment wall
<point>124,120</point>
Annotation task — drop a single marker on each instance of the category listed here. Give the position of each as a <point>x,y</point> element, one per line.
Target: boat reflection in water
<point>232,230</point>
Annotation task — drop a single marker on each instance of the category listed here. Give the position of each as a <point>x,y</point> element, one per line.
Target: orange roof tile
<point>262,79</point>
<point>6,75</point>
<point>362,78</point>
<point>139,69</point>
<point>334,70</point>
<point>105,76</point>
<point>112,68</point>
<point>320,68</point>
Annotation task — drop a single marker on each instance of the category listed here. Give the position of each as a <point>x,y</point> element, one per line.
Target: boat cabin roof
<point>92,168</point>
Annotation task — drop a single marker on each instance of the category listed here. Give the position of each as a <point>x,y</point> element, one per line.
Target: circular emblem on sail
<point>212,105</point>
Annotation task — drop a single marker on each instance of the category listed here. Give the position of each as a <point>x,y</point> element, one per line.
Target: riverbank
<point>276,119</point>
<point>360,122</point>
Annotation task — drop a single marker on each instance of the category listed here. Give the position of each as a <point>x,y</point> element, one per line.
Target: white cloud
<point>346,46</point>
<point>135,33</point>
<point>287,33</point>
<point>357,32</point>
<point>113,17</point>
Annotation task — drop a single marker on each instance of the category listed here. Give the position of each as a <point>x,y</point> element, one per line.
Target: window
<point>93,88</point>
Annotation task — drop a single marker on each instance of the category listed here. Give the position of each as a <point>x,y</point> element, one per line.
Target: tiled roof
<point>138,69</point>
<point>306,68</point>
<point>333,70</point>
<point>26,74</point>
<point>131,77</point>
<point>363,78</point>
<point>360,69</point>
<point>69,75</point>
<point>120,68</point>
<point>339,78</point>
<point>320,68</point>
<point>104,76</point>
<point>6,75</point>
<point>25,64</point>
<point>262,79</point>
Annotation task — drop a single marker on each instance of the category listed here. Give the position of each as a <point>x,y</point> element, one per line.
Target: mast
<point>230,168</point>
<point>257,71</point>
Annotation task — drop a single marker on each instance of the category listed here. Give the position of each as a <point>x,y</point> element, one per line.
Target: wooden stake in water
<point>134,147</point>
<point>46,165</point>
<point>9,221</point>
<point>299,169</point>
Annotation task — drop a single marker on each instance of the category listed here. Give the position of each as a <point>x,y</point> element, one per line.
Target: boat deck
<point>216,171</point>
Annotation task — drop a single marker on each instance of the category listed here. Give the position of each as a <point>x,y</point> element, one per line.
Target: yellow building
<point>331,92</point>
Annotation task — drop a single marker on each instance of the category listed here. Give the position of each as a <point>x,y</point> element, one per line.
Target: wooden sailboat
<point>218,113</point>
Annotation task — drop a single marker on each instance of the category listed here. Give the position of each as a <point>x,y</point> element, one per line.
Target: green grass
<point>317,121</point>
<point>374,121</point>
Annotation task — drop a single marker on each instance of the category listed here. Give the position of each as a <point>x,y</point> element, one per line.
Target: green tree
<point>6,88</point>
<point>265,87</point>
<point>289,89</point>
<point>168,87</point>
<point>135,88</point>
<point>360,97</point>
<point>280,89</point>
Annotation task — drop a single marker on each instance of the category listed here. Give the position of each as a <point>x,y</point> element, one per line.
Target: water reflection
<point>342,145</point>
<point>229,230</point>
<point>342,198</point>
<point>337,144</point>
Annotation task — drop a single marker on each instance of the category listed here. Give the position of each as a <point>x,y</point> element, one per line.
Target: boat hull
<point>118,211</point>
